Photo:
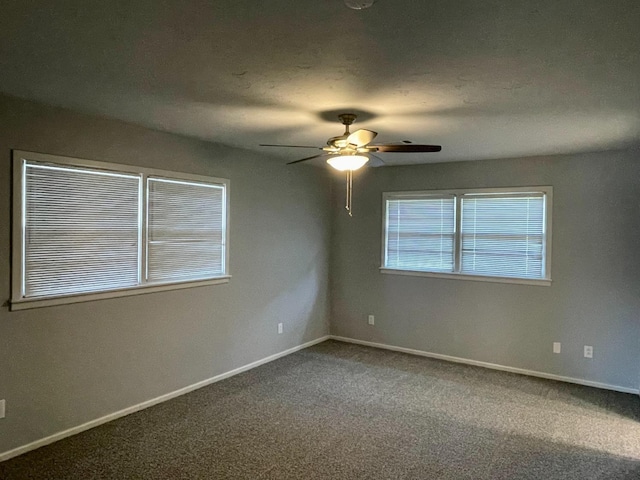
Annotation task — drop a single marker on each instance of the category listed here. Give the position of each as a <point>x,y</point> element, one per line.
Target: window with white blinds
<point>503,235</point>
<point>185,232</point>
<point>81,230</point>
<point>497,234</point>
<point>99,230</point>
<point>420,233</point>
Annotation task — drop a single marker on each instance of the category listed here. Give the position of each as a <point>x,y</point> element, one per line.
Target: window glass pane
<point>81,230</point>
<point>503,235</point>
<point>186,230</point>
<point>420,234</point>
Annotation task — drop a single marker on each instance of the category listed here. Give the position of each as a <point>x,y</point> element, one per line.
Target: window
<point>184,239</point>
<point>85,230</point>
<point>420,233</point>
<point>487,234</point>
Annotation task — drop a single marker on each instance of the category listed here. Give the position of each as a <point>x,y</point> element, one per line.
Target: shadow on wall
<point>296,305</point>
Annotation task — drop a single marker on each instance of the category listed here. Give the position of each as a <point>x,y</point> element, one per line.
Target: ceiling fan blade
<point>406,148</point>
<point>308,158</point>
<point>361,137</point>
<point>289,146</point>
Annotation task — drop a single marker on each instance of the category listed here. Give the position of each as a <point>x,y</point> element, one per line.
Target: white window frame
<point>458,194</point>
<point>19,302</point>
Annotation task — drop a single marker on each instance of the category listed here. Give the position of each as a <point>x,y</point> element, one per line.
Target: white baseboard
<point>149,403</point>
<point>493,366</point>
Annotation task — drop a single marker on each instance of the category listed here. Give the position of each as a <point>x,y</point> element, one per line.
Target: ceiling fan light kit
<point>347,162</point>
<point>351,151</point>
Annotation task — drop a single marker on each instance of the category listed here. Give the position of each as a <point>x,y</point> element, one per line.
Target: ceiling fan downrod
<point>348,205</point>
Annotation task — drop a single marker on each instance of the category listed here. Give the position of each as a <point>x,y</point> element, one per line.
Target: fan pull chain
<point>349,191</point>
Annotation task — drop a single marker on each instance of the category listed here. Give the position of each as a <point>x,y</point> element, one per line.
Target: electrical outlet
<point>2,405</point>
<point>372,320</point>
<point>588,351</point>
<point>280,328</point>
<point>557,347</point>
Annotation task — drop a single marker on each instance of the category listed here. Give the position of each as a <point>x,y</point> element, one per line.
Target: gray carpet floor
<point>340,411</point>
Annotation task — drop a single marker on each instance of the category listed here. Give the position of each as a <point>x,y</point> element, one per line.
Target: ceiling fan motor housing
<point>347,118</point>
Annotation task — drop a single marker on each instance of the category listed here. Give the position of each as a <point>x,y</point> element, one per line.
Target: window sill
<point>27,303</point>
<point>464,276</point>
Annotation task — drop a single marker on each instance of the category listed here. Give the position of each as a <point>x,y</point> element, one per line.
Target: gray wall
<point>594,298</point>
<point>65,365</point>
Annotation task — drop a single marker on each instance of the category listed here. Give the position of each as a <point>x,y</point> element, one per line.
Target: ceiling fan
<point>350,151</point>
<point>357,144</point>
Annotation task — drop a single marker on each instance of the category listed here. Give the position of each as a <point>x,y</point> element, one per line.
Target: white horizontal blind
<point>420,234</point>
<point>81,230</point>
<point>185,231</point>
<point>503,235</point>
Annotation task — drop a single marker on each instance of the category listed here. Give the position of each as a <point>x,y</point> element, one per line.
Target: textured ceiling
<point>485,79</point>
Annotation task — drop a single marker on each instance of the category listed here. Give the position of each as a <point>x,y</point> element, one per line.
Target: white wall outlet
<point>557,347</point>
<point>2,405</point>
<point>372,320</point>
<point>588,351</point>
<point>280,328</point>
